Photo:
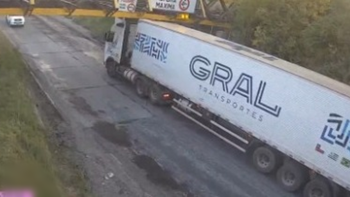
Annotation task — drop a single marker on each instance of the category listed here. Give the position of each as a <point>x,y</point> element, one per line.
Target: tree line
<point>311,33</point>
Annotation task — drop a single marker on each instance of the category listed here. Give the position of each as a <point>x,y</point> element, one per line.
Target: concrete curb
<point>30,71</point>
<point>36,79</point>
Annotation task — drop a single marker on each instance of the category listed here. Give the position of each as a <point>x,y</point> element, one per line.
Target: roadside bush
<point>327,43</point>
<point>311,33</point>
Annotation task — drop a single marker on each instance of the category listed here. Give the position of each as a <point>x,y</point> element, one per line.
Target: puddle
<point>81,105</point>
<point>155,173</point>
<point>110,132</point>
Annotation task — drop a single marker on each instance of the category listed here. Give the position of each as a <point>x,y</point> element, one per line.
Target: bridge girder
<point>110,8</point>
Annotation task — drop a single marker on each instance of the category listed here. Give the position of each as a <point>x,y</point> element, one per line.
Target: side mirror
<point>109,36</point>
<point>120,25</point>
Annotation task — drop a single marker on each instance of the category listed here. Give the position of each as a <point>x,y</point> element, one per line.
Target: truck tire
<point>155,94</point>
<point>141,86</point>
<point>347,194</point>
<point>337,191</point>
<point>318,187</point>
<point>265,160</point>
<point>292,176</point>
<point>111,69</point>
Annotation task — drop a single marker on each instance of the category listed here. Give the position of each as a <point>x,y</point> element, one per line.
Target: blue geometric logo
<point>337,131</point>
<point>151,46</point>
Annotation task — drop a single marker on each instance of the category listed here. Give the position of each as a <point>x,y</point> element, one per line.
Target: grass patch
<point>97,25</point>
<point>25,156</point>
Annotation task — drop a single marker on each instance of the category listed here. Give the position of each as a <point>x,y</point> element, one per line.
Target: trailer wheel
<point>265,160</point>
<point>155,94</point>
<point>111,69</point>
<point>318,187</point>
<point>292,176</point>
<point>347,193</point>
<point>141,87</point>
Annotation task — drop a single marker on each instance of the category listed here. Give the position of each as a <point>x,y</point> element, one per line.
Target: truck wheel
<point>347,193</point>
<point>141,87</point>
<point>265,160</point>
<point>292,176</point>
<point>155,94</point>
<point>111,69</point>
<point>318,187</point>
<point>337,191</point>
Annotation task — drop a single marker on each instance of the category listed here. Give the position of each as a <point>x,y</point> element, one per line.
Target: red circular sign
<point>184,4</point>
<point>131,7</point>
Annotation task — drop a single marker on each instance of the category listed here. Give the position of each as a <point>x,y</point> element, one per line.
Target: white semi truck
<point>292,121</point>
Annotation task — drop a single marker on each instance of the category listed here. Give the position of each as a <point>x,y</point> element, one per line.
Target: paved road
<point>119,133</point>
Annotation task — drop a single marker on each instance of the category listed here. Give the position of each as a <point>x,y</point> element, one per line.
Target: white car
<point>15,20</point>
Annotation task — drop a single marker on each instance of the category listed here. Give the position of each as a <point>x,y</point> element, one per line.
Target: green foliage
<point>98,26</point>
<point>327,43</point>
<point>26,160</point>
<point>311,33</point>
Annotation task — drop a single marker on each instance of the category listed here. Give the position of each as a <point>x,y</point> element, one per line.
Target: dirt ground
<point>60,140</point>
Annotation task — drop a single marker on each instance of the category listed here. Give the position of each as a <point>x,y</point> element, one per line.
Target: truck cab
<point>119,42</point>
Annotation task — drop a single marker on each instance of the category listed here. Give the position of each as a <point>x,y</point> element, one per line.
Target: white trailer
<point>292,121</point>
